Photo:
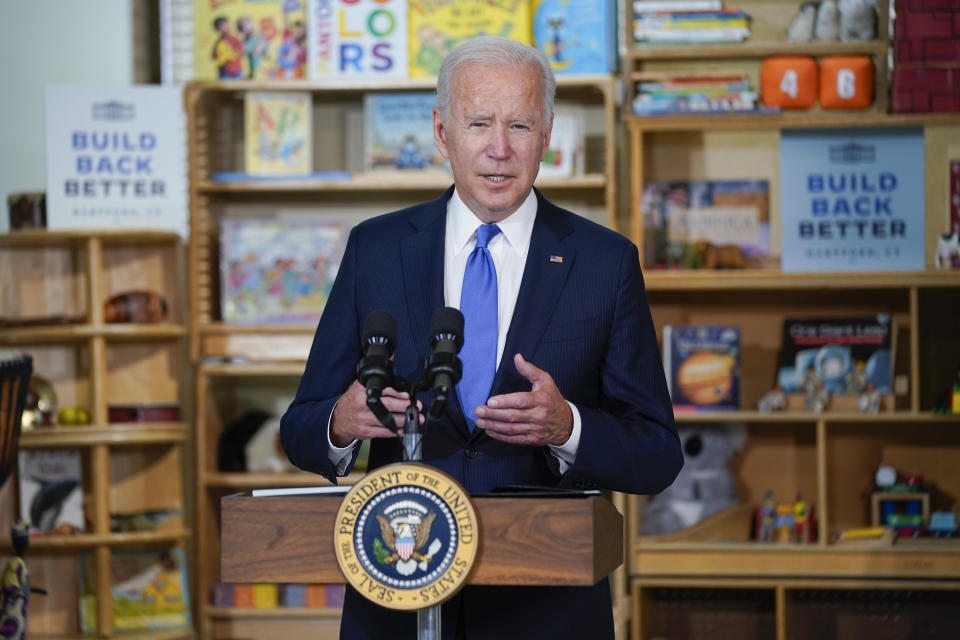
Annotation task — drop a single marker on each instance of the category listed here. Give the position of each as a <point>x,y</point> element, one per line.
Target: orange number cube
<point>789,82</point>
<point>846,82</point>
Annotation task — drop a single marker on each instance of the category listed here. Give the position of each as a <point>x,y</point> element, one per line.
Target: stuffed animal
<point>948,251</point>
<point>827,28</point>
<point>705,484</point>
<point>725,256</point>
<point>801,29</point>
<point>858,19</point>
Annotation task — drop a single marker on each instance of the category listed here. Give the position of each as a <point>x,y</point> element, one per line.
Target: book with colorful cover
<point>249,39</point>
<point>565,155</point>
<point>576,37</point>
<point>680,217</point>
<point>51,489</point>
<point>438,26</point>
<point>278,133</point>
<point>398,132</point>
<point>702,366</point>
<point>149,591</point>
<point>845,354</point>
<point>357,38</point>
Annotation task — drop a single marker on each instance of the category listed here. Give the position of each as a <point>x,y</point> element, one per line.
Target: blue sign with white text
<point>852,200</point>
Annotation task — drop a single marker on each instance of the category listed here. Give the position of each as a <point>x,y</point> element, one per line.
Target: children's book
<point>249,39</point>
<point>149,591</point>
<point>398,132</point>
<point>702,366</point>
<point>576,37</point>
<point>437,27</point>
<point>51,489</point>
<point>682,218</point>
<point>357,38</point>
<point>565,155</point>
<point>277,271</point>
<point>846,355</point>
<point>277,133</point>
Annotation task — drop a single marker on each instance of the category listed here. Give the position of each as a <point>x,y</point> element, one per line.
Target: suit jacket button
<point>471,452</point>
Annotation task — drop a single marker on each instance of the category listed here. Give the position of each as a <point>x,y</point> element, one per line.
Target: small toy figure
<point>858,19</point>
<point>773,400</point>
<point>885,477</point>
<point>766,516</point>
<point>801,29</point>
<point>16,586</point>
<point>869,401</point>
<point>784,523</point>
<point>801,521</point>
<point>817,399</point>
<point>948,251</point>
<point>810,380</point>
<point>856,379</point>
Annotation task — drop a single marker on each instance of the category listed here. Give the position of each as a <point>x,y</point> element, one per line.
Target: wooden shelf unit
<point>713,567</point>
<point>95,364</point>
<point>769,20</point>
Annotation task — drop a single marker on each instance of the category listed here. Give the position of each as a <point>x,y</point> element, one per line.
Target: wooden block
<point>846,82</point>
<point>293,595</point>
<point>316,596</point>
<point>223,595</point>
<point>243,596</point>
<point>265,596</point>
<point>789,82</point>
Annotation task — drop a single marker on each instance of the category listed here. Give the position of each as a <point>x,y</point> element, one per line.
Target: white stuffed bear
<point>827,28</point>
<point>858,20</point>
<point>705,484</point>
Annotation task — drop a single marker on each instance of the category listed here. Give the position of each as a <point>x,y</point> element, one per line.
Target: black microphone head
<point>447,322</point>
<point>380,327</point>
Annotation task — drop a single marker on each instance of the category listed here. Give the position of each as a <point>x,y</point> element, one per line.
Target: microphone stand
<point>428,619</point>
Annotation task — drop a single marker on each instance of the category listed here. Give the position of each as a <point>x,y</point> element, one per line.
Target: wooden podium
<point>562,541</point>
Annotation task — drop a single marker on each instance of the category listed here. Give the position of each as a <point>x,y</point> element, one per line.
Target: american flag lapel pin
<point>556,258</point>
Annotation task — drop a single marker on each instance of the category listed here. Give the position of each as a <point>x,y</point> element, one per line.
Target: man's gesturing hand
<point>537,417</point>
<point>353,420</point>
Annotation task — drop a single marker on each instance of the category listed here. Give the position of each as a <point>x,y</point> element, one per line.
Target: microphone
<point>444,367</point>
<point>375,371</point>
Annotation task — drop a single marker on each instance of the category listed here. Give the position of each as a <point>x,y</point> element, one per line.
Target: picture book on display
<point>683,220</point>
<point>576,37</point>
<point>51,489</point>
<point>565,155</point>
<point>438,26</point>
<point>249,39</point>
<point>277,133</point>
<point>149,591</point>
<point>702,366</point>
<point>398,132</point>
<point>357,38</point>
<point>845,354</point>
<point>277,271</point>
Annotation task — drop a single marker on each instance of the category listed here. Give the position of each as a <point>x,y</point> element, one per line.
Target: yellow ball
<point>67,415</point>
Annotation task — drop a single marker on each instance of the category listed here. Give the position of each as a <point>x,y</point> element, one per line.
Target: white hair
<point>495,51</point>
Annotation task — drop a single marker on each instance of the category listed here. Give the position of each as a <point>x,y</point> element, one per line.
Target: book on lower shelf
<point>51,490</point>
<point>277,271</point>
<point>149,591</point>
<point>277,133</point>
<point>702,367</point>
<point>846,355</point>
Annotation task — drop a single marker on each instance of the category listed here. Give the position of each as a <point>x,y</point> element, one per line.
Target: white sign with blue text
<point>116,158</point>
<point>852,200</point>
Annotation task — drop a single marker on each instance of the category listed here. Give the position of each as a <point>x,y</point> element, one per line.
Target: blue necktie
<point>478,303</point>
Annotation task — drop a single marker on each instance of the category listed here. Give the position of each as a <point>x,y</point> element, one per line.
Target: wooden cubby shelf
<point>126,468</point>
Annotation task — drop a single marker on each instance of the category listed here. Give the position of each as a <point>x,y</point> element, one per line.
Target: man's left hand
<point>537,417</point>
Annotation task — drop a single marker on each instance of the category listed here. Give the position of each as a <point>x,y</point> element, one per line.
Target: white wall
<point>52,41</point>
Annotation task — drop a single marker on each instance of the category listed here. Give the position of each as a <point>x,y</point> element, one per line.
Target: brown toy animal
<point>726,256</point>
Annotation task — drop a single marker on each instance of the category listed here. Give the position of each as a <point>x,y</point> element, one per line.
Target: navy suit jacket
<point>581,315</point>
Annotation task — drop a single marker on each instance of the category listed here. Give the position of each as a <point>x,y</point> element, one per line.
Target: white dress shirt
<point>509,252</point>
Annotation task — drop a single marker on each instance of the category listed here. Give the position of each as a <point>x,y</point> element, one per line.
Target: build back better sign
<point>852,200</point>
<point>116,158</point>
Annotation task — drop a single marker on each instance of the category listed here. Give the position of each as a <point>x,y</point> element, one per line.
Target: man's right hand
<point>353,420</point>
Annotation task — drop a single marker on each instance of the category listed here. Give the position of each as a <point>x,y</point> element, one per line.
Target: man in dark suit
<point>563,384</point>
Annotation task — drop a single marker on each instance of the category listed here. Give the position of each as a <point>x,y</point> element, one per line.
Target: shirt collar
<point>517,228</point>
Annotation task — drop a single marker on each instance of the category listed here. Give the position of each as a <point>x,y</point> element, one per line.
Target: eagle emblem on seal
<point>404,532</point>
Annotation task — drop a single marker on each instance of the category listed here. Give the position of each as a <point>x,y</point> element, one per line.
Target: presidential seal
<point>406,536</point>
